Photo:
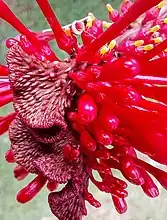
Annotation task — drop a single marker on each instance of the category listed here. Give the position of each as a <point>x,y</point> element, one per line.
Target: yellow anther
<point>148,47</point>
<point>109,8</point>
<point>112,44</point>
<point>165,50</point>
<point>155,28</point>
<point>92,16</point>
<point>104,50</point>
<point>138,43</point>
<point>106,24</point>
<point>161,4</point>
<point>165,20</point>
<point>68,31</point>
<point>89,22</point>
<point>158,40</point>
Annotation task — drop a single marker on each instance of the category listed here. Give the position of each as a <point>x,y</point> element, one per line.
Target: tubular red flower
<point>8,16</point>
<point>87,109</point>
<point>5,122</point>
<point>120,204</point>
<point>108,120</point>
<point>89,197</point>
<point>5,90</point>
<point>4,70</point>
<point>87,141</point>
<point>64,42</point>
<point>109,91</point>
<point>20,173</point>
<point>149,187</point>
<point>11,42</point>
<point>9,156</point>
<point>131,172</point>
<point>31,190</point>
<point>121,68</point>
<point>5,99</point>
<point>71,154</point>
<point>52,186</point>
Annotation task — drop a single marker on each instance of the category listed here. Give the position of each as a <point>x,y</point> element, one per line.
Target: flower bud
<point>31,190</point>
<point>87,109</point>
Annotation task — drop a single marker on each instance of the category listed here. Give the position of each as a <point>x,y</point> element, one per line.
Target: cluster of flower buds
<point>90,112</point>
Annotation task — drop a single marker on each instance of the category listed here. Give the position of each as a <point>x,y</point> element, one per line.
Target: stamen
<point>48,35</point>
<point>89,22</point>
<point>161,4</point>
<point>106,24</point>
<point>157,40</point>
<point>138,8</point>
<point>92,16</point>
<point>104,50</point>
<point>165,20</point>
<point>109,8</point>
<point>112,44</point>
<point>138,43</point>
<point>156,51</point>
<point>155,28</point>
<point>148,47</point>
<point>68,32</point>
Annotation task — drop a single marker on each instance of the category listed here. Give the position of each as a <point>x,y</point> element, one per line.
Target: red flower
<point>91,111</point>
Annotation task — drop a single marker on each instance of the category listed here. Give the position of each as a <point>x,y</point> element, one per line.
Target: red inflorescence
<point>92,111</point>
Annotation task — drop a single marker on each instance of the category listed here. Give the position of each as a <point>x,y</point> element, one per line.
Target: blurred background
<point>140,206</point>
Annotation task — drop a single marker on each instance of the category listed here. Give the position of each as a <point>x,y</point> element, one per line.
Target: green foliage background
<point>29,13</point>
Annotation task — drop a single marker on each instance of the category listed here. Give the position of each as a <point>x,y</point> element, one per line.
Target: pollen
<point>104,50</point>
<point>138,43</point>
<point>158,40</point>
<point>112,44</point>
<point>67,30</point>
<point>155,28</point>
<point>92,16</point>
<point>89,22</point>
<point>109,8</point>
<point>161,4</point>
<point>106,24</point>
<point>165,20</point>
<point>148,47</point>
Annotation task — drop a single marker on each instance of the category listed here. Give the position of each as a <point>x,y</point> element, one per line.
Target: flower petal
<point>24,146</point>
<point>67,204</point>
<point>41,89</point>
